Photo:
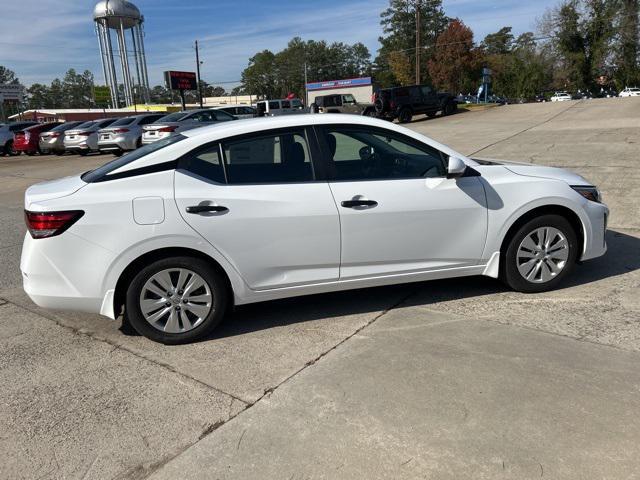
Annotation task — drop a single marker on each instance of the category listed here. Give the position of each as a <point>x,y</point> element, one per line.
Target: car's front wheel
<point>176,300</point>
<point>540,254</point>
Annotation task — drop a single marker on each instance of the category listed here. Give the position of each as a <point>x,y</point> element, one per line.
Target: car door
<point>398,211</point>
<point>256,200</point>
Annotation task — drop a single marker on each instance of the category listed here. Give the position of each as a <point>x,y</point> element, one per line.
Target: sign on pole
<point>181,81</point>
<point>12,92</point>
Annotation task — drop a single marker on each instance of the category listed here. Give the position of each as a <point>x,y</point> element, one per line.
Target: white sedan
<point>176,232</point>
<point>630,92</point>
<point>560,97</point>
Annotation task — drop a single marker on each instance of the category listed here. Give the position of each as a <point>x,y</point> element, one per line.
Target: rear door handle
<point>206,208</point>
<point>358,203</point>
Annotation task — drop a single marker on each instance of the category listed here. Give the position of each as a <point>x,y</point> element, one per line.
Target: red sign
<point>180,80</point>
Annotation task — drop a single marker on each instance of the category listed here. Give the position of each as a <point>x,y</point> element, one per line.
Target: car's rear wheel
<point>10,150</point>
<point>405,115</point>
<point>540,254</point>
<point>176,300</point>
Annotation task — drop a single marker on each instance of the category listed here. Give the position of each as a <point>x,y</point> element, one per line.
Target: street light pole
<point>198,74</point>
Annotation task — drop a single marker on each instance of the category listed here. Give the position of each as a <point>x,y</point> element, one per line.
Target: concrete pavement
<point>80,396</point>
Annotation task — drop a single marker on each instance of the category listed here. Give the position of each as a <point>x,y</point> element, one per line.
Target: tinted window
<point>270,158</point>
<point>426,90</point>
<point>123,121</point>
<point>401,92</point>
<point>106,123</point>
<point>173,117</point>
<point>149,119</point>
<point>86,125</point>
<point>349,99</point>
<point>65,126</point>
<point>202,117</point>
<point>286,104</point>
<point>100,172</point>
<point>205,162</point>
<point>246,110</point>
<point>274,105</point>
<point>221,116</point>
<point>359,154</point>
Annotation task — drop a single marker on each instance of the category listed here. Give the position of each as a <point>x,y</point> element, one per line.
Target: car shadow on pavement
<point>623,256</point>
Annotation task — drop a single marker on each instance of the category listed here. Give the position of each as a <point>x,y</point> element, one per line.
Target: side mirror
<point>456,167</point>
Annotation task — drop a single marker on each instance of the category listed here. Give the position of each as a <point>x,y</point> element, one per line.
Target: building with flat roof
<point>361,88</point>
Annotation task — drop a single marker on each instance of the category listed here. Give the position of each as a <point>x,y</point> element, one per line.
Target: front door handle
<point>206,208</point>
<point>358,203</point>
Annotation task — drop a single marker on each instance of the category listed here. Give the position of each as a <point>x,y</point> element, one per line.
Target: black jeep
<point>405,102</point>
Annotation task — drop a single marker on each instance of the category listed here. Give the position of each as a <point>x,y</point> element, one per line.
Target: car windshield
<point>173,117</point>
<point>100,172</point>
<point>123,121</point>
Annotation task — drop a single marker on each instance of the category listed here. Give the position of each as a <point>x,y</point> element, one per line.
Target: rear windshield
<point>100,172</point>
<point>86,124</point>
<point>173,117</point>
<point>123,121</point>
<point>65,126</point>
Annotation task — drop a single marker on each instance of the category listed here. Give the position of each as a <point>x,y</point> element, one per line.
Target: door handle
<point>206,208</point>
<point>358,203</point>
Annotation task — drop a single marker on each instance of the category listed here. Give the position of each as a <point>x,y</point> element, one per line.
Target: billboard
<point>350,82</point>
<point>180,80</point>
<point>12,92</point>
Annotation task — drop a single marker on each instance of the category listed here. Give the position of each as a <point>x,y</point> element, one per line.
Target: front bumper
<point>595,243</point>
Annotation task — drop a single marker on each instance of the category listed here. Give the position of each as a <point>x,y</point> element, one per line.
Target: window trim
<point>324,150</point>
<point>309,136</point>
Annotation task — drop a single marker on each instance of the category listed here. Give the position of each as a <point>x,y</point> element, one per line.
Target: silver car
<point>125,134</point>
<point>84,138</point>
<point>181,121</point>
<point>53,140</point>
<point>239,111</point>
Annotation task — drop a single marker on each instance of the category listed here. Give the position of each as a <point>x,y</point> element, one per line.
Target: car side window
<point>203,117</point>
<point>274,105</point>
<point>426,91</point>
<point>205,162</point>
<point>281,157</point>
<point>375,154</point>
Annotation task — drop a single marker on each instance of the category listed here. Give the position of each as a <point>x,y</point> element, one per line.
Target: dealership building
<point>360,88</point>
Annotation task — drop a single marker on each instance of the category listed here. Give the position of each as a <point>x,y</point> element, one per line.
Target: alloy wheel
<point>175,300</point>
<point>542,254</point>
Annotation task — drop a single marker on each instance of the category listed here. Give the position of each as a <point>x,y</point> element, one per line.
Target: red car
<point>27,140</point>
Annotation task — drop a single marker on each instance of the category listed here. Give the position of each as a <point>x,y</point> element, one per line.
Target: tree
<point>398,23</point>
<point>456,64</point>
<point>582,31</point>
<point>498,43</point>
<point>628,72</point>
<point>8,76</point>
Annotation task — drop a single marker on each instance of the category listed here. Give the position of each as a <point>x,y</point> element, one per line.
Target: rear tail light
<point>167,129</point>
<point>120,130</point>
<point>50,224</point>
<point>54,134</point>
<point>84,134</point>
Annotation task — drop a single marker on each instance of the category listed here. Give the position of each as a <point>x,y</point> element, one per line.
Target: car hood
<point>61,187</point>
<point>531,170</point>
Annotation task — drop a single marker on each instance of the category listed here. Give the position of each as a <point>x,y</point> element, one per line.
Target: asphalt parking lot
<point>445,380</point>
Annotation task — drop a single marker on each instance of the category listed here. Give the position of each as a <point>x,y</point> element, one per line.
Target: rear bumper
<point>118,143</point>
<point>64,272</point>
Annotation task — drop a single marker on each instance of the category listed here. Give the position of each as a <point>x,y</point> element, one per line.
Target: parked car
<point>630,92</point>
<point>182,121</point>
<point>52,141</point>
<point>560,97</point>
<point>125,134</point>
<point>405,102</point>
<point>178,231</point>
<point>274,108</point>
<point>580,95</point>
<point>239,111</point>
<point>27,140</point>
<point>84,138</point>
<point>341,103</point>
<point>6,136</point>
<point>606,93</point>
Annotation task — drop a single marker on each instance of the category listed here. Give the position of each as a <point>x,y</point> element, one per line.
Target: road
<point>446,379</point>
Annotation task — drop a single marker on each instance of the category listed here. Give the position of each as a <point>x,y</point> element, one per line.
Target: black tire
<point>9,150</point>
<point>449,108</point>
<point>510,273</point>
<point>405,115</point>
<point>381,105</point>
<point>213,279</point>
<point>117,153</point>
<point>60,152</point>
<point>432,114</point>
<point>83,153</point>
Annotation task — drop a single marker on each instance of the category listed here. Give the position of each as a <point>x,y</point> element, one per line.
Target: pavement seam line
<point>118,346</point>
<point>553,117</point>
<point>270,390</point>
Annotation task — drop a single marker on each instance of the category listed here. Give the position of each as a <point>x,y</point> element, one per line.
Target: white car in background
<point>176,232</point>
<point>560,97</point>
<point>630,92</point>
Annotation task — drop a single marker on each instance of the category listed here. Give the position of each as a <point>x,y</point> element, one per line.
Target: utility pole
<point>198,74</point>
<point>306,92</point>
<point>418,43</point>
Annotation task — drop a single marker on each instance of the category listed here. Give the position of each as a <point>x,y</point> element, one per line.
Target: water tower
<point>121,16</point>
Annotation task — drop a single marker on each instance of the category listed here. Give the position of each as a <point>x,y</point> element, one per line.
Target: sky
<point>41,47</point>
